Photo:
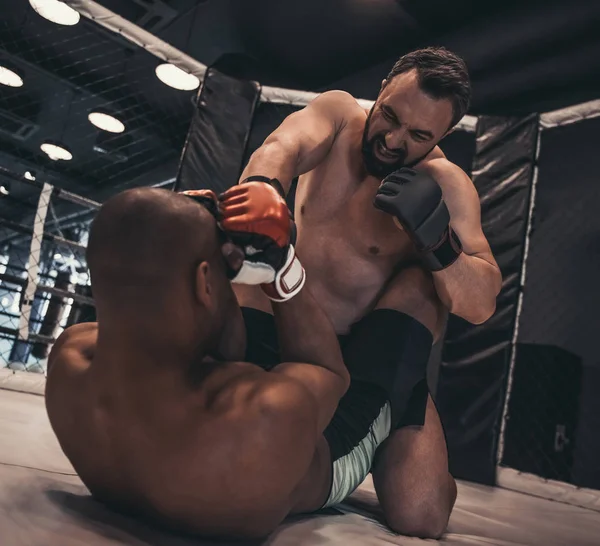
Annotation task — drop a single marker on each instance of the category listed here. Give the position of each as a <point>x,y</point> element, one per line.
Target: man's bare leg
<point>411,478</point>
<point>410,473</point>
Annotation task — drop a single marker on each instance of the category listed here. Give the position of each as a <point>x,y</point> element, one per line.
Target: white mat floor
<point>42,503</point>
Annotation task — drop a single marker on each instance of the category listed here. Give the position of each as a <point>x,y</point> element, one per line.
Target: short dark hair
<point>442,75</point>
<point>147,238</point>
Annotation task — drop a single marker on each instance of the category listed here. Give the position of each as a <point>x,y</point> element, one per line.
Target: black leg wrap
<point>391,350</point>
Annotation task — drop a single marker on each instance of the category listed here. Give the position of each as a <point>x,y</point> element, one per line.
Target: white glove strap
<point>254,273</point>
<point>289,280</point>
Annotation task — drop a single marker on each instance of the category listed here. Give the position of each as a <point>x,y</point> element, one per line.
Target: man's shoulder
<point>446,173</point>
<point>339,104</point>
<point>262,390</point>
<point>67,379</point>
<point>338,97</point>
<point>78,338</point>
<point>273,398</point>
<point>261,408</point>
<point>76,332</point>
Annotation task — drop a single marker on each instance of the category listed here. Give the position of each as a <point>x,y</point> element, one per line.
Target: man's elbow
<point>284,146</point>
<point>475,311</point>
<point>344,380</point>
<point>484,312</point>
<point>480,310</point>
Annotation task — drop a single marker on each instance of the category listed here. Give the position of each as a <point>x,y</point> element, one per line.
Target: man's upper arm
<point>317,389</point>
<point>279,436</point>
<point>311,132</point>
<point>464,206</point>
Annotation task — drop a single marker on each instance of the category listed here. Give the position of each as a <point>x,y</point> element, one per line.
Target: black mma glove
<point>415,199</point>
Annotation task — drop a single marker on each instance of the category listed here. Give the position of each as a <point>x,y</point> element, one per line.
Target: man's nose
<point>394,140</point>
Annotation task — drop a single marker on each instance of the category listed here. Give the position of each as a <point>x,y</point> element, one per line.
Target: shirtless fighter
<point>389,232</point>
<point>153,404</point>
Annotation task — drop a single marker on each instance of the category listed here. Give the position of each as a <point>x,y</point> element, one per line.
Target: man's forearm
<point>469,287</point>
<point>307,335</point>
<point>273,160</point>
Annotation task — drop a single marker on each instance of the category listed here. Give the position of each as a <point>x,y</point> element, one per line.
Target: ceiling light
<point>10,78</point>
<point>56,151</point>
<point>106,122</point>
<point>56,11</point>
<point>4,190</point>
<point>177,78</point>
<point>29,175</point>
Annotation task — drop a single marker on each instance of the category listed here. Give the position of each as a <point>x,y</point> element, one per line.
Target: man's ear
<point>383,84</point>
<point>203,286</point>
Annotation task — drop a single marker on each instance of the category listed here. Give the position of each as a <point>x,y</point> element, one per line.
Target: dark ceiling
<point>523,57</point>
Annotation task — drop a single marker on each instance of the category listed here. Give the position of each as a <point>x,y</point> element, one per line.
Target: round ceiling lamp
<point>56,151</point>
<point>56,11</point>
<point>10,77</point>
<point>173,76</point>
<point>105,121</point>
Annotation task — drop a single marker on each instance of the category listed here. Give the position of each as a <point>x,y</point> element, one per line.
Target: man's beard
<point>374,166</point>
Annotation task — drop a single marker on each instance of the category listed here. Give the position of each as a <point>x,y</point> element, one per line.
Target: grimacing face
<point>403,126</point>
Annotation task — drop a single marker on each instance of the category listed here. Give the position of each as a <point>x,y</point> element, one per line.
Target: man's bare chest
<point>342,219</point>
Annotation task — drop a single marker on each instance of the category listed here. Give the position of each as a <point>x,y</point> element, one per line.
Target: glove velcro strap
<point>289,280</point>
<point>444,254</point>
<point>254,273</point>
<point>272,181</point>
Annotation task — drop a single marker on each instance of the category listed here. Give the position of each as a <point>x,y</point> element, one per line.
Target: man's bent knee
<point>422,521</point>
<point>423,516</point>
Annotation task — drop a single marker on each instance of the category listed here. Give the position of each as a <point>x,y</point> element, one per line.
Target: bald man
<point>153,404</point>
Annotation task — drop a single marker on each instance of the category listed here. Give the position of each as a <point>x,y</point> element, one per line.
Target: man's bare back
<point>138,442</point>
<point>154,405</point>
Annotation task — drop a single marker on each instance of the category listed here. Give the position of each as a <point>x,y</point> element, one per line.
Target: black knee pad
<point>391,350</point>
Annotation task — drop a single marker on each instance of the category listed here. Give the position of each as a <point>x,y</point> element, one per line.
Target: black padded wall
<point>562,293</point>
<point>214,150</point>
<point>459,147</point>
<point>471,386</point>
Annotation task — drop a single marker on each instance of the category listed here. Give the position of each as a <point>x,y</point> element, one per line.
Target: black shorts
<point>379,374</point>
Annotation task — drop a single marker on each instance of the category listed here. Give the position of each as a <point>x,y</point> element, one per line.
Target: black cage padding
<point>213,154</point>
<point>459,148</point>
<point>475,359</point>
<point>561,296</point>
<point>541,435</point>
